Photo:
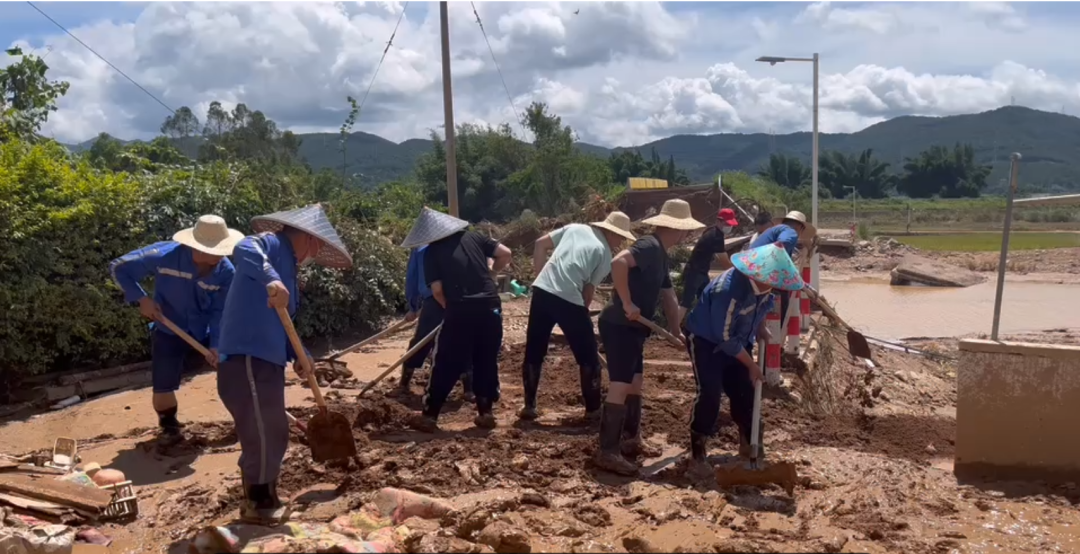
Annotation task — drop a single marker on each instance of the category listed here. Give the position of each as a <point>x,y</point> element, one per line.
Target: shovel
<point>757,473</point>
<point>382,334</point>
<point>662,332</point>
<point>206,354</point>
<point>329,434</point>
<point>412,351</point>
<point>857,344</point>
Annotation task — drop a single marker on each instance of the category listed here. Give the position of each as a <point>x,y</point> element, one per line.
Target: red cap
<point>727,215</point>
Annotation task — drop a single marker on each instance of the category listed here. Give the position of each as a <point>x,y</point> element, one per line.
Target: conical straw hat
<point>432,226</point>
<point>769,265</point>
<point>313,221</point>
<point>618,223</point>
<point>210,235</point>
<point>675,214</point>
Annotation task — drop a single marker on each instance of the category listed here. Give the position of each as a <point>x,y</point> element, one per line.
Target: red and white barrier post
<point>793,323</point>
<point>774,345</point>
<point>804,302</point>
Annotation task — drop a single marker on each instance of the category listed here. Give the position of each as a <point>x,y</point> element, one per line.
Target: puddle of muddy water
<point>889,312</point>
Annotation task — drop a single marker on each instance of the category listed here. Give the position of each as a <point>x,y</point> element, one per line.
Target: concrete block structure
<point>1018,411</point>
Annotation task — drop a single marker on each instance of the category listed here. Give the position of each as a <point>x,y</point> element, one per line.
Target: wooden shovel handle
<point>416,348</point>
<point>301,356</point>
<point>180,333</point>
<point>388,331</point>
<point>662,332</point>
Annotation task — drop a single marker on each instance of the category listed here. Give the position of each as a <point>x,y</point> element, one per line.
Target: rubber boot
<point>609,456</point>
<point>699,464</point>
<point>485,418</point>
<point>632,445</point>
<point>426,421</point>
<point>591,393</point>
<point>261,505</point>
<point>406,378</point>
<point>744,442</point>
<point>530,379</point>
<point>170,426</point>
<point>466,387</point>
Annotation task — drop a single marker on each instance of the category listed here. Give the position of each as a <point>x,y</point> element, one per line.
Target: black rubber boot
<point>406,378</point>
<point>744,442</point>
<point>261,505</point>
<point>699,446</point>
<point>591,393</point>
<point>170,426</point>
<point>466,387</point>
<point>530,380</point>
<point>632,445</point>
<point>485,416</point>
<point>609,456</point>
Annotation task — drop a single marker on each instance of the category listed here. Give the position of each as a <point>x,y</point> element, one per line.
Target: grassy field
<point>891,216</point>
<point>991,242</point>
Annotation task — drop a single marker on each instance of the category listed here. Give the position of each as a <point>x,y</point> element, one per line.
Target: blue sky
<point>621,74</point>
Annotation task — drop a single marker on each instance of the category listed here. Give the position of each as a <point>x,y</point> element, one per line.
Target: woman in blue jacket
<point>191,279</point>
<point>729,314</point>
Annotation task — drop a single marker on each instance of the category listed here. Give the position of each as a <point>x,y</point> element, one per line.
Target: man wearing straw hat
<point>255,348</point>
<point>709,246</point>
<point>457,268</point>
<point>423,306</point>
<point>562,294</point>
<point>730,312</point>
<point>641,279</point>
<point>191,280</point>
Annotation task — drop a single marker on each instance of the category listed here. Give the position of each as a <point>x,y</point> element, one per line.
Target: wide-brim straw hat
<point>769,265</point>
<point>432,226</point>
<point>675,214</point>
<point>210,236</point>
<point>794,215</point>
<point>618,223</point>
<point>313,221</point>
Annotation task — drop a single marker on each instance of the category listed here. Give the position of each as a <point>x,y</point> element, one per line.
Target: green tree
<point>870,176</point>
<point>786,171</point>
<point>939,171</point>
<point>181,125</point>
<point>27,96</point>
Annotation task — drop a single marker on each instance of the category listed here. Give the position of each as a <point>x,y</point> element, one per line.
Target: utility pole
<point>448,110</point>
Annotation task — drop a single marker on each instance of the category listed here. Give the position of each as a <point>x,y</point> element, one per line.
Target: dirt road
<point>875,448</point>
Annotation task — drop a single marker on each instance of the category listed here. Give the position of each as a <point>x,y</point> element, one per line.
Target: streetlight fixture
<point>773,60</point>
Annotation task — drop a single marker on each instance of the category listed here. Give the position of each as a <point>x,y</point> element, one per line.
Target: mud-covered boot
<point>466,387</point>
<point>530,380</point>
<point>170,426</point>
<point>632,444</point>
<point>609,456</point>
<point>485,417</point>
<point>699,463</point>
<point>591,393</point>
<point>425,422</point>
<point>744,442</point>
<point>261,505</point>
<point>406,379</point>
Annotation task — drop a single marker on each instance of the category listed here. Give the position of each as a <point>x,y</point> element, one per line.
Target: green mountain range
<point>1049,143</point>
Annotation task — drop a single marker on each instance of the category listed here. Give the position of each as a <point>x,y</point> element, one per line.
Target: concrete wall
<point>1018,411</point>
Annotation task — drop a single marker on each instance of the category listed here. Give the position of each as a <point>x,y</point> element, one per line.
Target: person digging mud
<point>641,279</point>
<point>460,275</point>
<point>423,306</point>
<point>730,312</point>
<point>787,231</point>
<point>191,280</point>
<point>255,348</point>
<point>762,222</point>
<point>710,245</point>
<point>562,294</point>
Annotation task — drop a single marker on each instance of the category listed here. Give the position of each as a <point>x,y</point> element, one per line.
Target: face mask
<point>726,230</point>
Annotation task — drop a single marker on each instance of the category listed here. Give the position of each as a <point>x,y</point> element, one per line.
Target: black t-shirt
<point>460,261</point>
<point>708,246</point>
<point>646,279</point>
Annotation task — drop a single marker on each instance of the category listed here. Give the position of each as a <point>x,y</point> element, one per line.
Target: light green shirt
<point>581,257</point>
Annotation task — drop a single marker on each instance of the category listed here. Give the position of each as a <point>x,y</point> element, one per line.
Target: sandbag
<point>401,505</point>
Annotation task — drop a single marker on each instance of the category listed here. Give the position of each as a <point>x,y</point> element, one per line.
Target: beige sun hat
<point>618,223</point>
<point>795,215</point>
<point>675,214</point>
<point>210,235</point>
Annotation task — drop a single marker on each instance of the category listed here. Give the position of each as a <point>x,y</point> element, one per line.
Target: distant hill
<point>1049,142</point>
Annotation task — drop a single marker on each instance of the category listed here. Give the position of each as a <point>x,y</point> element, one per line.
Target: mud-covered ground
<point>873,449</point>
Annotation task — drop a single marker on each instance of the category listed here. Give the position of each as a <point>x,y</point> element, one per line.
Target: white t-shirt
<point>581,257</point>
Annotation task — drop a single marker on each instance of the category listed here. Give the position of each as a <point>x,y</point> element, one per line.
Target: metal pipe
<point>1015,170</point>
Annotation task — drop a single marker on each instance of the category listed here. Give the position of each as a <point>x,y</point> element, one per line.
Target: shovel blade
<point>857,345</point>
<point>739,473</point>
<point>329,435</point>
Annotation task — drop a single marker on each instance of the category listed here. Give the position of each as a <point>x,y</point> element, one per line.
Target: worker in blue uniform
<point>191,280</point>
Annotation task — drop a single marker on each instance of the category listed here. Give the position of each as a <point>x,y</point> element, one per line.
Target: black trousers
<point>547,310</point>
<point>694,282</point>
<point>717,373</point>
<point>471,336</point>
<point>625,348</point>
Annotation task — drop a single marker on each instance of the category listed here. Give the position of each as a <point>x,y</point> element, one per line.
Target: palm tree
<point>868,175</point>
<point>786,171</point>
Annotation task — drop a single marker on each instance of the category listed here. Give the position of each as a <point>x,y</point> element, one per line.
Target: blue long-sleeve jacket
<point>416,288</point>
<point>193,303</point>
<point>778,233</point>
<point>249,326</point>
<point>728,313</point>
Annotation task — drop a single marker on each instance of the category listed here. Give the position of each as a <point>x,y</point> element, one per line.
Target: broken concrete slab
<point>916,269</point>
<point>90,499</point>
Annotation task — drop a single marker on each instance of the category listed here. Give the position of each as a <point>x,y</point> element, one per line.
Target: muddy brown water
<point>883,311</point>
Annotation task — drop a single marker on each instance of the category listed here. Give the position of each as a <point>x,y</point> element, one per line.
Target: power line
<point>102,58</point>
<point>496,62</point>
<point>389,43</point>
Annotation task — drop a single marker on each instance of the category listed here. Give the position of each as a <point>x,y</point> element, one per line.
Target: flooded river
<point>888,312</point>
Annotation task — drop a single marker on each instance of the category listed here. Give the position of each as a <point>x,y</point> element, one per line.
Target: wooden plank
<point>101,373</point>
<point>31,504</point>
<point>91,499</point>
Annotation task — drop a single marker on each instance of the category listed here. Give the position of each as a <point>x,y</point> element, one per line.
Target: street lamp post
<point>773,60</point>
<point>854,214</point>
